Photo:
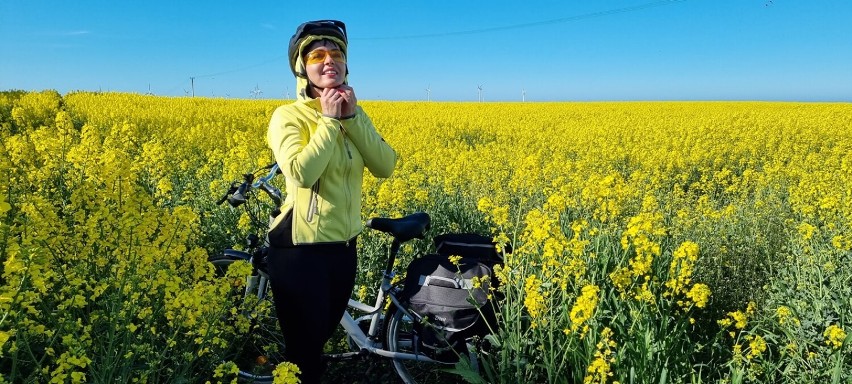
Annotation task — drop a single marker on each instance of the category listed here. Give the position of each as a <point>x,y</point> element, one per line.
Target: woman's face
<point>325,64</point>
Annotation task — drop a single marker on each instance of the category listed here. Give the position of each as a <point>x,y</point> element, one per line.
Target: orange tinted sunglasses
<point>319,55</point>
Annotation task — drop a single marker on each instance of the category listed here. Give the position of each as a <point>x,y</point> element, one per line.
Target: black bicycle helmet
<point>333,28</point>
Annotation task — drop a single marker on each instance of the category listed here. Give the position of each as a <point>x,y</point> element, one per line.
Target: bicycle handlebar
<point>237,195</point>
<point>273,169</point>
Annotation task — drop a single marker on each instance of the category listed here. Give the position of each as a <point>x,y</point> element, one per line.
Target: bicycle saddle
<point>403,229</point>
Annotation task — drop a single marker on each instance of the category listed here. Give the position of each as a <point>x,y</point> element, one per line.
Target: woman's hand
<point>350,101</point>
<point>338,102</point>
<point>332,101</point>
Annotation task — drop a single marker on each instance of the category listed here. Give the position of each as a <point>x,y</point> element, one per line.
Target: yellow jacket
<point>323,161</point>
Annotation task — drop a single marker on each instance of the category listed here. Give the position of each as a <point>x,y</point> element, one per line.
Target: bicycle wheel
<point>400,337</point>
<point>257,346</point>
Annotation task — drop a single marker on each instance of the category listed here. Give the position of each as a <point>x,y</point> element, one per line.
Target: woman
<point>322,142</point>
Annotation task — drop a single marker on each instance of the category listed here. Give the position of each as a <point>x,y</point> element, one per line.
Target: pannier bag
<point>450,302</point>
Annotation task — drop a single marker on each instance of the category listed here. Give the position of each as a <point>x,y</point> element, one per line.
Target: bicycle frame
<point>370,341</point>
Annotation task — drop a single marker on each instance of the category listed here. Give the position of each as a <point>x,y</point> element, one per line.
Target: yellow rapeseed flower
<point>756,346</point>
<point>621,279</point>
<point>644,294</point>
<point>584,308</point>
<point>699,294</point>
<point>286,373</point>
<point>834,336</point>
<point>681,268</point>
<point>751,308</point>
<point>806,231</point>
<point>600,369</point>
<point>533,298</point>
<point>740,319</point>
<point>785,316</point>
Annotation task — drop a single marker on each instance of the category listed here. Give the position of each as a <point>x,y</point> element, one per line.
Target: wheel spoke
<point>401,337</point>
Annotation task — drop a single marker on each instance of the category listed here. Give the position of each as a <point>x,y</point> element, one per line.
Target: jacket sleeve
<point>301,155</point>
<point>378,156</point>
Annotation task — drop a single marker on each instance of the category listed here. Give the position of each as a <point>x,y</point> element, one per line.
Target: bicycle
<point>388,333</point>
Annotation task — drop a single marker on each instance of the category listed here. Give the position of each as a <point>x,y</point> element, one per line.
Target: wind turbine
<point>523,94</point>
<point>256,91</point>
<point>428,92</point>
<point>479,87</point>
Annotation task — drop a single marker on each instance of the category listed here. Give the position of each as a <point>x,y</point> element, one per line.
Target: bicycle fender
<point>237,255</point>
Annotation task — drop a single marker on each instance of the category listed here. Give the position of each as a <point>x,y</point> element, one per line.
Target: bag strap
<point>431,280</point>
<point>440,281</point>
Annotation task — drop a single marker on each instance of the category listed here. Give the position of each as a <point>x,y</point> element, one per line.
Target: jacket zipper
<point>346,180</point>
<point>346,144</point>
<point>312,206</point>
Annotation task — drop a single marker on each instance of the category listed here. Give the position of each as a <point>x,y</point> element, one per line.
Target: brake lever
<point>239,197</point>
<point>231,189</point>
<point>273,192</point>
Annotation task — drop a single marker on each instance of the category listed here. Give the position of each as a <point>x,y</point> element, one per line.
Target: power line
<point>192,78</point>
<point>528,25</point>
<point>474,31</point>
<point>241,69</point>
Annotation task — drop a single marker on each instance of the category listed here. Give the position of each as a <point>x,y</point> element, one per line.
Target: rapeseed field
<point>650,242</point>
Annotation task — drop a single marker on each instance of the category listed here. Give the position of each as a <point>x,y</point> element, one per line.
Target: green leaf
<point>493,340</point>
<point>464,369</point>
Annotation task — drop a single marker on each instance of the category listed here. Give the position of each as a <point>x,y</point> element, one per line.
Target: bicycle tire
<point>400,337</point>
<point>257,346</point>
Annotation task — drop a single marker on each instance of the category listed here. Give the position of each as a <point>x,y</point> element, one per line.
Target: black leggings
<point>311,286</point>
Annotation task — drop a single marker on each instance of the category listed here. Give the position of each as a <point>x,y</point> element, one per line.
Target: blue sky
<point>534,50</point>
